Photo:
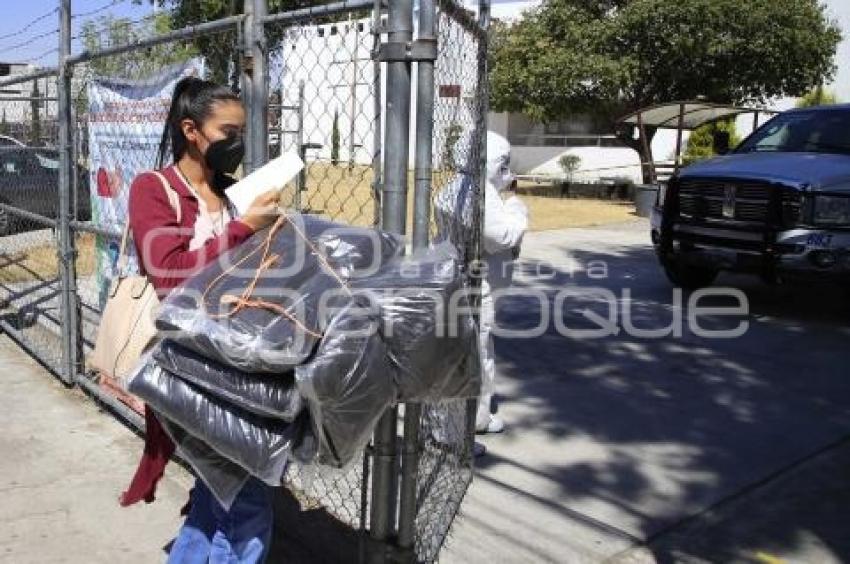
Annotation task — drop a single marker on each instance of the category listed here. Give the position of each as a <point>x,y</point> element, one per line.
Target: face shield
<point>499,173</point>
<point>499,162</point>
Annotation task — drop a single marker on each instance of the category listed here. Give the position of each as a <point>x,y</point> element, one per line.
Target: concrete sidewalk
<point>63,464</point>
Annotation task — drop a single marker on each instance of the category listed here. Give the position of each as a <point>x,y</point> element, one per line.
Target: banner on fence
<point>125,124</point>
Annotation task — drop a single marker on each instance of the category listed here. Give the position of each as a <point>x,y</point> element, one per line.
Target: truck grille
<point>741,200</point>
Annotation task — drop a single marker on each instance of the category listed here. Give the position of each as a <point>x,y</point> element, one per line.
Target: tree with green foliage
<point>108,31</point>
<point>570,164</point>
<point>613,57</point>
<point>701,143</point>
<point>219,50</point>
<point>819,96</point>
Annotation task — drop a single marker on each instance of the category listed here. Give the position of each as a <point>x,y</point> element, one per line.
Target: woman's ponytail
<point>193,98</point>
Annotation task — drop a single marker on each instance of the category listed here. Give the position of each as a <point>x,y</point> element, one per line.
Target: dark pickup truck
<point>777,206</point>
<point>29,181</point>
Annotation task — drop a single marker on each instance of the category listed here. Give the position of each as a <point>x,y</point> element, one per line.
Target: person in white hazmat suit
<point>505,222</point>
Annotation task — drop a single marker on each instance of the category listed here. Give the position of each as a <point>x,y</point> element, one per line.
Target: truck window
<point>821,131</point>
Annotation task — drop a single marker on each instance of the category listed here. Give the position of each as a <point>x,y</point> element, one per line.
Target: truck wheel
<point>689,277</point>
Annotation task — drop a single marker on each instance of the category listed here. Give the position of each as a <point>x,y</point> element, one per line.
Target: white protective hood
<point>505,219</point>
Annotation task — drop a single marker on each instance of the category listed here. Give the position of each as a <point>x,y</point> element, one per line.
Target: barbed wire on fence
<point>40,56</point>
<point>29,25</point>
<point>29,41</point>
<point>105,7</point>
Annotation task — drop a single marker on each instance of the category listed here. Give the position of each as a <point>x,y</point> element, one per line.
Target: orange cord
<point>267,261</point>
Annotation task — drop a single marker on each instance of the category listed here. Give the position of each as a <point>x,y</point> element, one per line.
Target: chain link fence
<point>326,88</point>
<point>458,104</point>
<point>446,427</point>
<point>323,98</point>
<point>30,278</point>
<point>324,105</point>
<point>118,119</point>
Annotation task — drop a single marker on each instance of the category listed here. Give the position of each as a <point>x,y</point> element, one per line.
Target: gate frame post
<point>396,144</point>
<point>476,244</point>
<point>422,179</point>
<point>70,328</point>
<point>254,85</point>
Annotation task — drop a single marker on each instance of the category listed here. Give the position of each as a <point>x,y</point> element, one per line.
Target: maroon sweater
<point>162,245</point>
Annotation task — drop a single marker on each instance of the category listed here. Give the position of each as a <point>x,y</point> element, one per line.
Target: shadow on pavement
<point>635,434</point>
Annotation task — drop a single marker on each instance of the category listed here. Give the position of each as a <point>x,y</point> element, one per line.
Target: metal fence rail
<point>339,84</point>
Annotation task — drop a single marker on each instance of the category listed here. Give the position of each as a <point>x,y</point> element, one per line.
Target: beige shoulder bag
<point>127,323</point>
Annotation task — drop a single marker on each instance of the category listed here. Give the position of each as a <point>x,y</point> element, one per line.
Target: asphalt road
<point>614,441</point>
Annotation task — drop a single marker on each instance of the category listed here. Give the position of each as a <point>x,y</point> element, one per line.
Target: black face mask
<point>225,154</point>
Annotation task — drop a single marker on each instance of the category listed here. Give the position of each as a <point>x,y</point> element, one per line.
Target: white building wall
<point>333,61</point>
<point>597,163</point>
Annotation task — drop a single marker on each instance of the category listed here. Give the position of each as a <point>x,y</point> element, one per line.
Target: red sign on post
<point>450,91</point>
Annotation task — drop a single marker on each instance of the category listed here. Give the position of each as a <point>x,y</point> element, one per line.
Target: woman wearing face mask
<point>204,136</point>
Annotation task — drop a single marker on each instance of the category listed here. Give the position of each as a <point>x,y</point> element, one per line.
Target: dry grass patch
<point>561,213</point>
<point>344,194</point>
<point>340,193</point>
<point>40,262</point>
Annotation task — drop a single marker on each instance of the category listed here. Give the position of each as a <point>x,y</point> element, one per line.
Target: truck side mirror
<point>721,142</point>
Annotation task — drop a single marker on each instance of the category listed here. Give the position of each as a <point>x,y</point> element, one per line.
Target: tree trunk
<point>644,150</point>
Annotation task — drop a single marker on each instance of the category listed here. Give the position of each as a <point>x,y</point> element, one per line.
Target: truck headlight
<point>832,210</point>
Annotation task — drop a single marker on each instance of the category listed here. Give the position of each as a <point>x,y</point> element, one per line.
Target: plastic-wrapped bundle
<point>298,260</point>
<point>223,477</point>
<point>426,324</point>
<point>263,394</point>
<point>348,384</point>
<point>261,446</point>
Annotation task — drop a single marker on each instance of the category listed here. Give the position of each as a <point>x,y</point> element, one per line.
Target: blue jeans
<point>213,535</point>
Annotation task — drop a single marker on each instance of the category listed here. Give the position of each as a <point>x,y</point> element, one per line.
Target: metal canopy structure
<point>683,116</point>
<point>687,115</point>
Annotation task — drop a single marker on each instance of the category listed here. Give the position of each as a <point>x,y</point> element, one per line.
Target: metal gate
<point>339,83</point>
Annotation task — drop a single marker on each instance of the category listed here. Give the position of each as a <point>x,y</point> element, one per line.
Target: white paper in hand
<point>272,176</point>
